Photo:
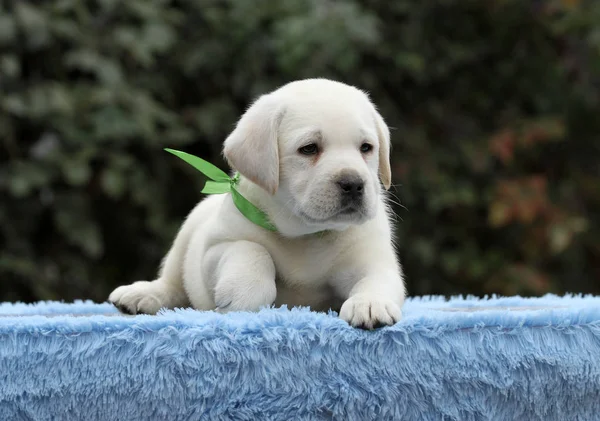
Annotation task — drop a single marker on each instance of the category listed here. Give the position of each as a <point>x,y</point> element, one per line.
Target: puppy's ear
<point>252,147</point>
<point>383,133</point>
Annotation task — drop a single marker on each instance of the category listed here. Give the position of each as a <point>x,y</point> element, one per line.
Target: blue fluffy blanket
<point>463,359</point>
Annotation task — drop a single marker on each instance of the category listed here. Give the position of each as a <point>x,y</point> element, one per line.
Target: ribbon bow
<point>220,183</point>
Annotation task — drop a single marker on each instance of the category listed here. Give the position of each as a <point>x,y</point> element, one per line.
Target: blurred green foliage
<point>494,105</point>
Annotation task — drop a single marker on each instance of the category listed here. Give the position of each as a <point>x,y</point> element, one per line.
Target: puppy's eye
<point>366,147</point>
<point>310,149</point>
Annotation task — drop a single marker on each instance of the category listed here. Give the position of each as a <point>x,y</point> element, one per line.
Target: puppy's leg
<point>144,297</point>
<point>377,297</point>
<point>243,274</point>
<point>375,300</point>
<point>167,290</point>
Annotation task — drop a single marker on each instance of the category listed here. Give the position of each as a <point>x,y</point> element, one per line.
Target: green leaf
<point>216,187</point>
<point>14,104</point>
<point>201,165</point>
<point>8,30</point>
<point>159,36</point>
<point>250,211</point>
<point>19,186</point>
<point>113,183</point>
<point>76,223</point>
<point>76,171</point>
<point>9,65</point>
<point>35,24</point>
<point>499,214</point>
<point>221,183</point>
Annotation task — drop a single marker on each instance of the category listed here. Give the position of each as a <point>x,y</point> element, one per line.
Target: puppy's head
<point>320,147</point>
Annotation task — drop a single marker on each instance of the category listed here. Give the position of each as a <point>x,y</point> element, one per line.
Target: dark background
<point>494,107</point>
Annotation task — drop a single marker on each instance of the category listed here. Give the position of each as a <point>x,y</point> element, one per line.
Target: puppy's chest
<point>305,264</point>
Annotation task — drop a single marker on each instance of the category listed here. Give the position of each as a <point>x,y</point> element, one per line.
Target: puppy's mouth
<point>345,214</point>
<point>350,210</point>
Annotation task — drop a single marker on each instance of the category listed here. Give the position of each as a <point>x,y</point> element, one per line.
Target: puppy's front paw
<point>368,311</point>
<point>244,295</point>
<point>142,297</point>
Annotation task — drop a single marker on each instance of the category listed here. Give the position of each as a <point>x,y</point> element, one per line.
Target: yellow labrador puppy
<point>311,156</point>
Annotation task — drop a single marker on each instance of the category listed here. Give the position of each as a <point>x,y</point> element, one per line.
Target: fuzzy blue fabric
<point>459,359</point>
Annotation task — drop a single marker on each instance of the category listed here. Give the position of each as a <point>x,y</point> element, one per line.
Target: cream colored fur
<point>324,255</point>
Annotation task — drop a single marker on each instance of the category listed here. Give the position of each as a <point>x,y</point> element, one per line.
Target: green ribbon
<point>220,183</point>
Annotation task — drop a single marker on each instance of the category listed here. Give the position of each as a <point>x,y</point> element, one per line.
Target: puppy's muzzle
<point>351,187</point>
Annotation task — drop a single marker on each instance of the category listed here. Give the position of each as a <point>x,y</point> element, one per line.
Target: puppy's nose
<point>351,185</point>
